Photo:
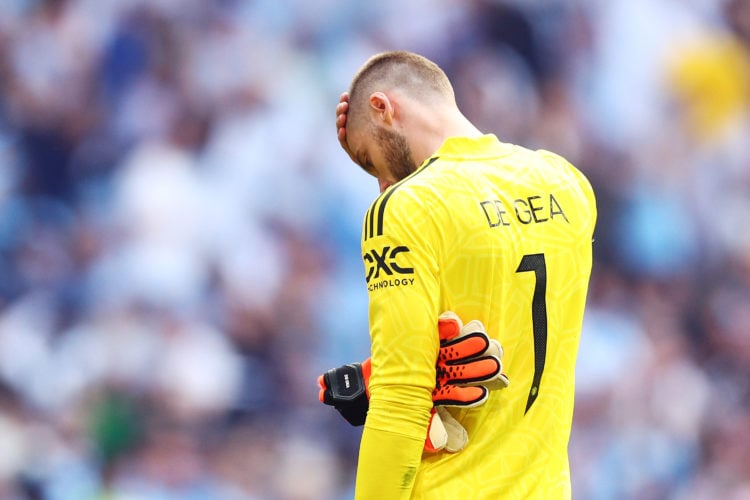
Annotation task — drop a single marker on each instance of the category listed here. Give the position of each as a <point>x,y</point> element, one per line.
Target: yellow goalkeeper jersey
<point>494,232</point>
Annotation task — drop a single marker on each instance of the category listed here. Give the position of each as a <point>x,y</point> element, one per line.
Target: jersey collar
<point>469,147</point>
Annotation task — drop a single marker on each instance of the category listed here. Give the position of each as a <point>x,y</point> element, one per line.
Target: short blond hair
<point>407,72</point>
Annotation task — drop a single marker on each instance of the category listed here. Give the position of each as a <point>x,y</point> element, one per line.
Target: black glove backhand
<point>345,388</point>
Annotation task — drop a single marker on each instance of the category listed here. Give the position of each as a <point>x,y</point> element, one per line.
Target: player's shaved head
<point>411,74</point>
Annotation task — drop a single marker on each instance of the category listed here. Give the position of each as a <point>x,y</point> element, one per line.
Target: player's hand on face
<point>342,109</point>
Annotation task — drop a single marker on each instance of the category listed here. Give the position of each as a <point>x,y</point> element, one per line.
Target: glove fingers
<point>473,326</point>
<point>460,396</point>
<point>499,381</point>
<point>475,371</point>
<point>323,388</point>
<point>327,393</point>
<point>366,367</point>
<point>457,435</point>
<point>494,349</point>
<point>464,347</point>
<point>449,325</point>
<point>437,435</point>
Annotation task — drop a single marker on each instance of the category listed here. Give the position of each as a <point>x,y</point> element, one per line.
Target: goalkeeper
<point>469,365</point>
<point>492,231</point>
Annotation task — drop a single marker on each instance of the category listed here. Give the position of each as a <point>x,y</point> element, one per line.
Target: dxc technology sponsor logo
<point>384,266</point>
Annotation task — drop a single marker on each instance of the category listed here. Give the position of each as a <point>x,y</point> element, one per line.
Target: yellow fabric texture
<point>498,233</point>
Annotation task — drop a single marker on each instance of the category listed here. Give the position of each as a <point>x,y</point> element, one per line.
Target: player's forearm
<point>392,443</point>
<point>403,410</point>
<point>388,464</point>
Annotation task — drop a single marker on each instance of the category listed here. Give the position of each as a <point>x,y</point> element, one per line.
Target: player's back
<point>513,230</point>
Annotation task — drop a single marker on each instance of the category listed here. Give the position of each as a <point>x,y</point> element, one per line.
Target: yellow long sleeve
<point>388,460</point>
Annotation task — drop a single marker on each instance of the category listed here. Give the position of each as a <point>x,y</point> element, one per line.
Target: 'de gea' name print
<point>530,210</point>
<point>387,268</point>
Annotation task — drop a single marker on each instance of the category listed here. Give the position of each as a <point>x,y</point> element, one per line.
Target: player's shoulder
<point>402,202</point>
<point>560,162</point>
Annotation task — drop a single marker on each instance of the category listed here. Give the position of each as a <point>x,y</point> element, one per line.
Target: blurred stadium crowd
<point>179,234</point>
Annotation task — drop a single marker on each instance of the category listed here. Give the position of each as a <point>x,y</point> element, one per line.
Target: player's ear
<point>381,107</point>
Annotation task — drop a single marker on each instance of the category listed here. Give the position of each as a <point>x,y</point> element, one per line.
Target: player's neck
<point>426,137</point>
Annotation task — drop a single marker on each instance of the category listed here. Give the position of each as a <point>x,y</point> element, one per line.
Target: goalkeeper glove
<point>346,388</point>
<point>468,366</point>
<point>469,363</point>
